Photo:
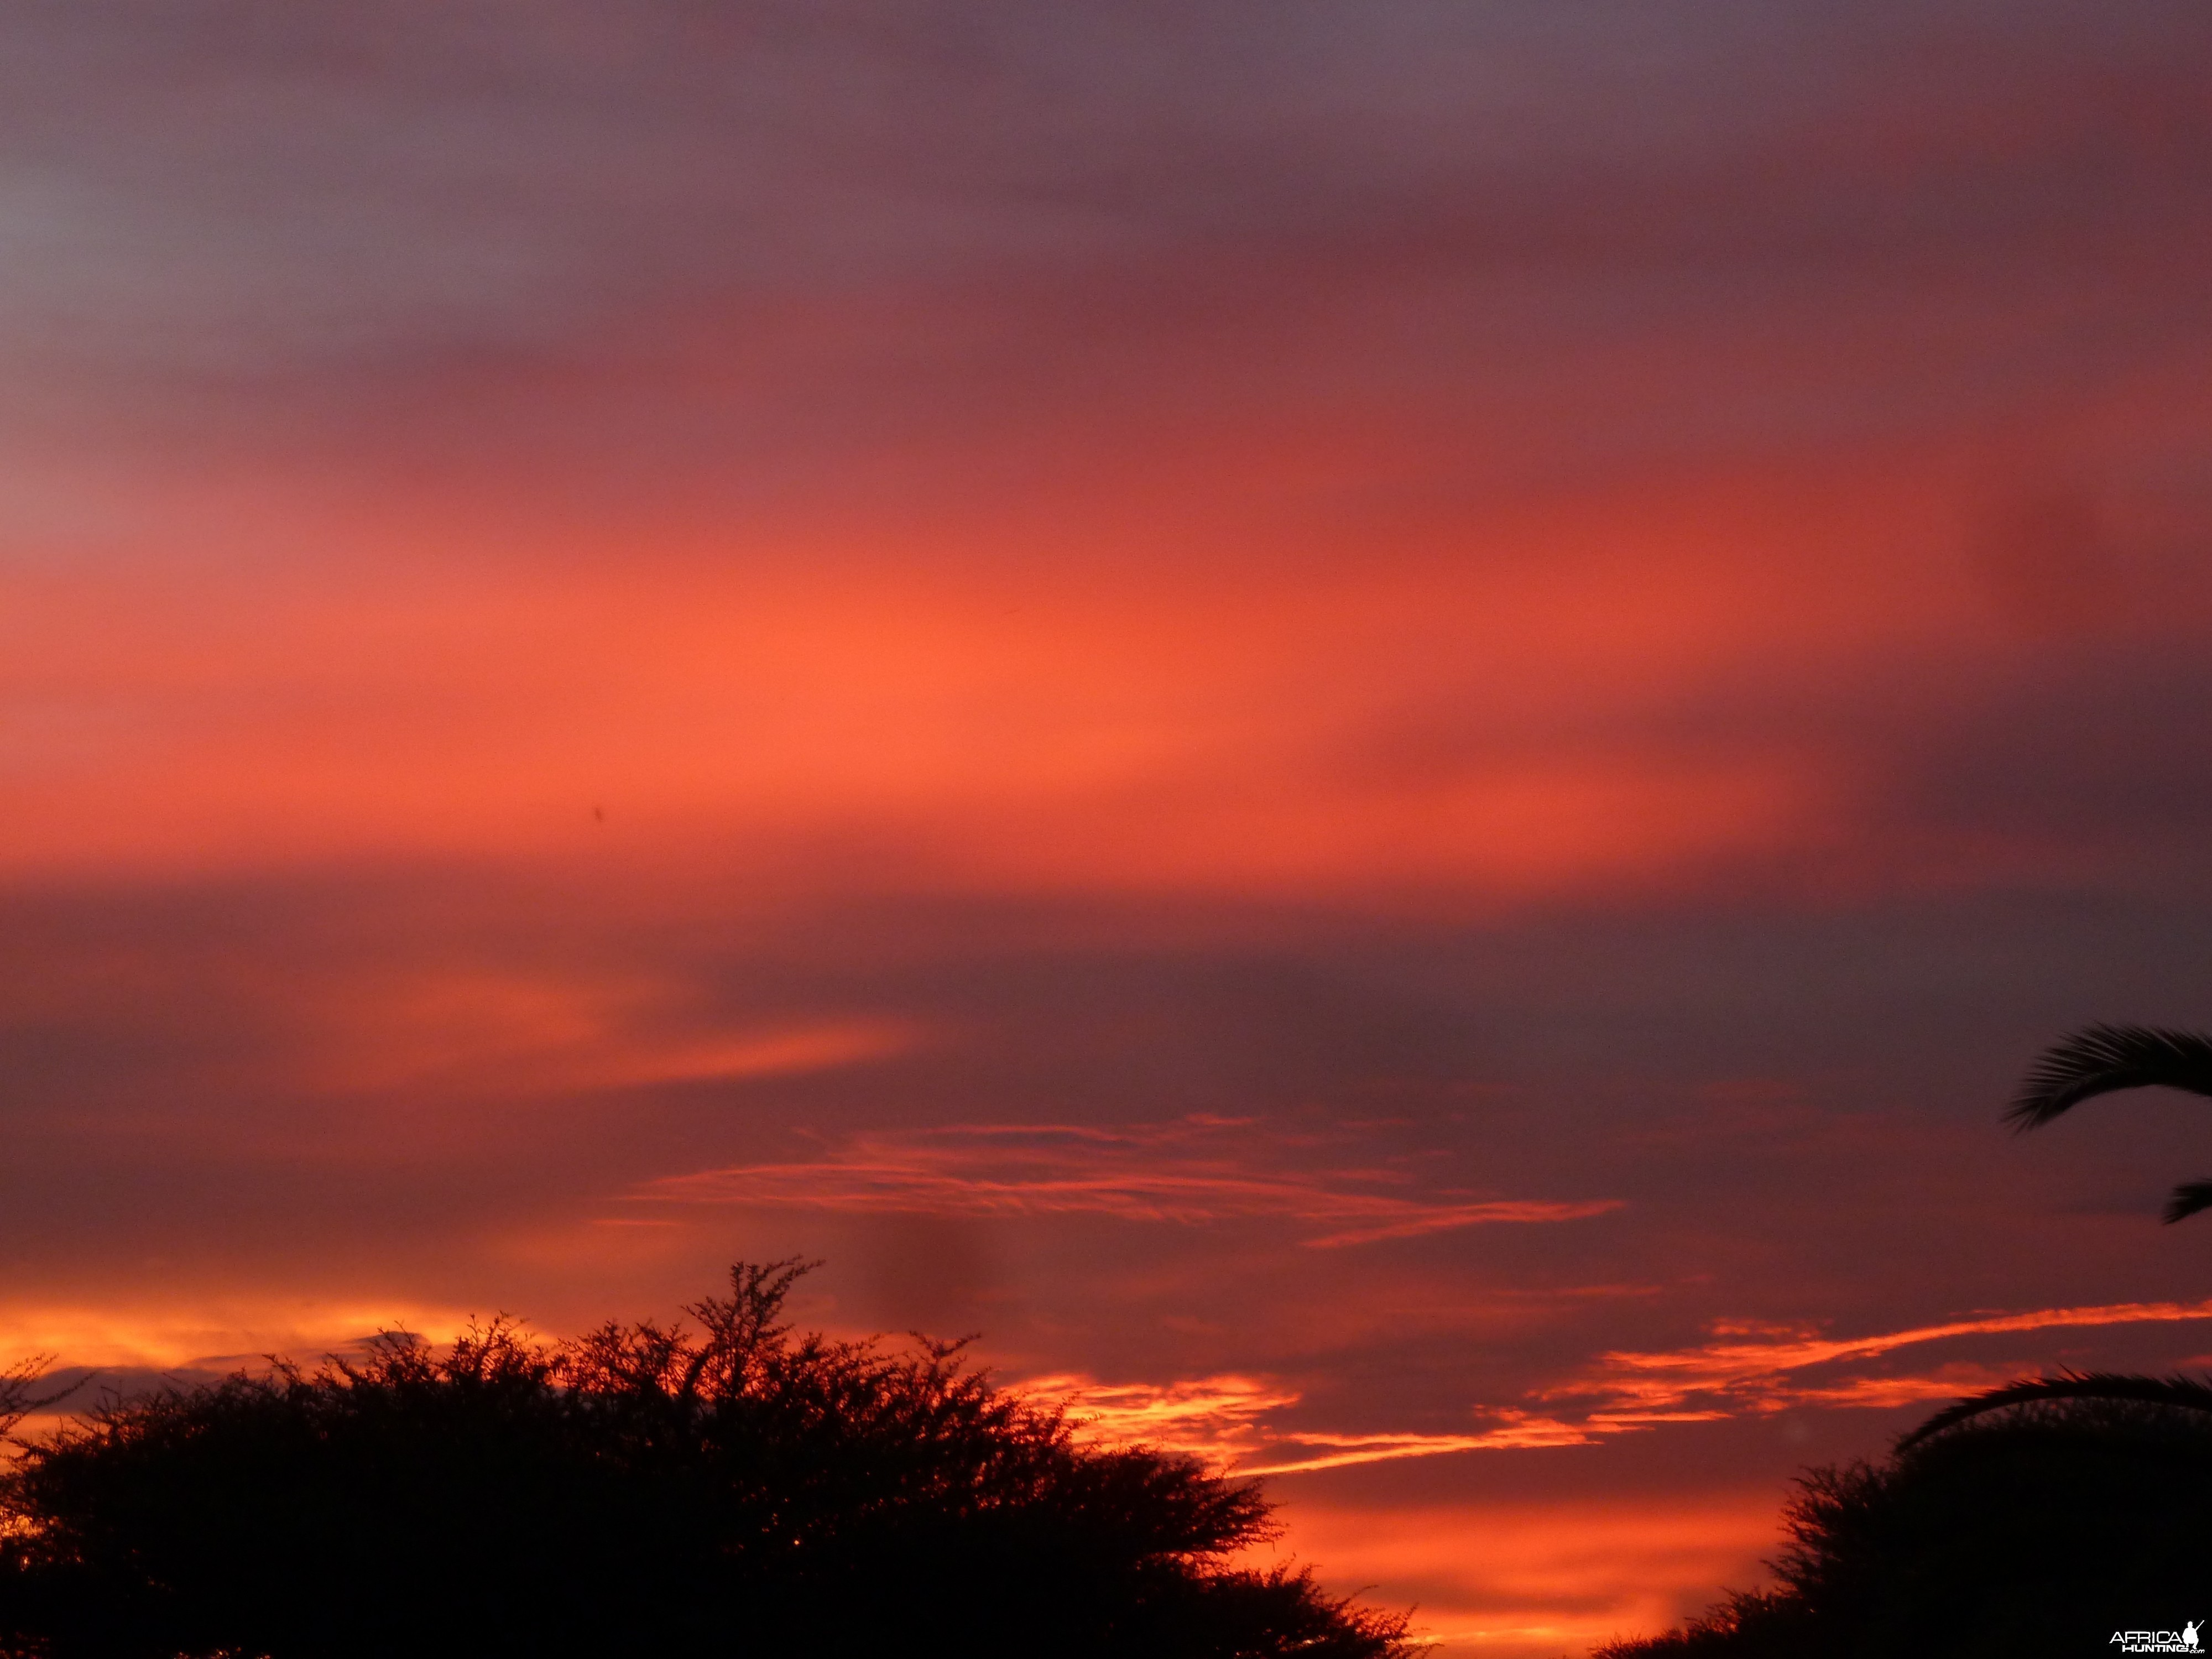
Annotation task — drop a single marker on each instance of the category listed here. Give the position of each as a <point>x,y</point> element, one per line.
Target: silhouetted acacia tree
<point>19,1391</point>
<point>724,1488</point>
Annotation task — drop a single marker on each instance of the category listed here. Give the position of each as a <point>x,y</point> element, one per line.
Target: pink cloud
<point>1191,1172</point>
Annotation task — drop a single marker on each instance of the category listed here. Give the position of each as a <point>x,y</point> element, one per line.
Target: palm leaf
<point>2100,1059</point>
<point>2188,1199</point>
<point>2188,1393</point>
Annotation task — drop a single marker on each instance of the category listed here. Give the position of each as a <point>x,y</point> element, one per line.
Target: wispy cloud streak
<point>1183,1172</point>
<point>1219,1418</point>
<point>1236,1421</point>
<point>1759,1375</point>
<point>1515,1431</point>
<point>1226,1420</point>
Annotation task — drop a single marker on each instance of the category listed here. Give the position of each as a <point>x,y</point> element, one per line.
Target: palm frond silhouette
<point>2185,1392</point>
<point>2101,1059</point>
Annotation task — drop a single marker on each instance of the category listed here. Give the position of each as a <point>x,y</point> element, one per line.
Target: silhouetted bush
<point>723,1490</point>
<point>2038,1528</point>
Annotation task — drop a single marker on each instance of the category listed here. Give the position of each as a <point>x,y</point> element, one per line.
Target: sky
<point>1379,730</point>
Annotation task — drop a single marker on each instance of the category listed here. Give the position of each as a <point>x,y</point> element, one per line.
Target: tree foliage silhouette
<point>2100,1060</point>
<point>2037,1524</point>
<point>19,1396</point>
<point>720,1487</point>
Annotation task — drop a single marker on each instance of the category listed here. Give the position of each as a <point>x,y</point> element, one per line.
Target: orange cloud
<point>1144,729</point>
<point>1183,1172</point>
<point>1218,1418</point>
<point>1756,1376</point>
<point>1539,698</point>
<point>1515,1432</point>
<point>1226,1420</point>
<point>214,1331</point>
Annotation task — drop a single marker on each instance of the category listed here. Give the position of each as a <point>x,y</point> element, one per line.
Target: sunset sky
<point>1378,727</point>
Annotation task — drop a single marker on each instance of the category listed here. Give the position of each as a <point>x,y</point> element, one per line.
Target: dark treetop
<point>724,1488</point>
